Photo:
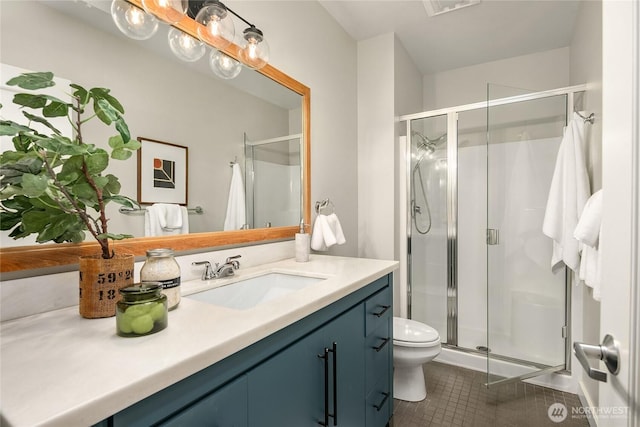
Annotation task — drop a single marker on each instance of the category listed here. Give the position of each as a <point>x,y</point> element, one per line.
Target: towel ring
<point>325,207</point>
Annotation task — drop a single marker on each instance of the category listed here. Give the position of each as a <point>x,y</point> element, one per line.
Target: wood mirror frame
<point>57,255</point>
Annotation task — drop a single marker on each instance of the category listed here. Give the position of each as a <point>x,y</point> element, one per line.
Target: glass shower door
<point>526,301</point>
<point>429,297</point>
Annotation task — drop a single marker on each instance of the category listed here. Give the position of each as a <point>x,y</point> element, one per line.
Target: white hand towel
<point>336,229</point>
<point>236,213</point>
<point>588,232</point>
<point>317,235</point>
<point>157,220</point>
<point>327,232</point>
<point>169,215</point>
<point>567,196</point>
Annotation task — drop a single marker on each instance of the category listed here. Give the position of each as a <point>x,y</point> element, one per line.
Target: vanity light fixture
<point>216,26</point>
<point>213,26</point>
<point>255,53</point>
<point>169,11</point>
<point>223,65</point>
<point>133,21</point>
<point>184,46</point>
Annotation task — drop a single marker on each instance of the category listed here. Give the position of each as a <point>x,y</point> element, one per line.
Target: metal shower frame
<point>452,219</point>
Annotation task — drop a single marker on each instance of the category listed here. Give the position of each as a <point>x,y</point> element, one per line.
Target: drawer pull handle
<point>384,400</point>
<point>383,311</point>
<point>385,341</point>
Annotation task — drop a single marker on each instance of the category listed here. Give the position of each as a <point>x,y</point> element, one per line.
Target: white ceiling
<point>489,31</point>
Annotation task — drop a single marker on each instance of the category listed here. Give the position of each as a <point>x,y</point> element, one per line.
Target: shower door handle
<point>493,236</point>
<point>608,352</point>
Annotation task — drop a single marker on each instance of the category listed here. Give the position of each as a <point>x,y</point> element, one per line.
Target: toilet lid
<point>411,331</point>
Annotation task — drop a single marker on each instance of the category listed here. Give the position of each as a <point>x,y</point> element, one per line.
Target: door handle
<point>493,236</point>
<point>608,352</point>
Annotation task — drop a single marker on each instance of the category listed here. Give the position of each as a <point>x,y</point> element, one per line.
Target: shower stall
<point>273,174</point>
<point>478,265</point>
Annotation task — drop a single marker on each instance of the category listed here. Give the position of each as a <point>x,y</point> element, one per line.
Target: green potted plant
<point>55,186</point>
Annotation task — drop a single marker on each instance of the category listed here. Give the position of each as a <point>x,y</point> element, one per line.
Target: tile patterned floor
<point>457,397</point>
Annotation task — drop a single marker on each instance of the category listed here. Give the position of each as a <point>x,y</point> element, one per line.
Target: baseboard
<point>586,402</point>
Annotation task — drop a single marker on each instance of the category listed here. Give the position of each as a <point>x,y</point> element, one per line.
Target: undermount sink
<point>248,293</point>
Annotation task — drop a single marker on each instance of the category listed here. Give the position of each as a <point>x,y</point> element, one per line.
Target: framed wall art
<point>162,172</point>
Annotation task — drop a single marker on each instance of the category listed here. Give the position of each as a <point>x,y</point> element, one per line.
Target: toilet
<point>414,344</point>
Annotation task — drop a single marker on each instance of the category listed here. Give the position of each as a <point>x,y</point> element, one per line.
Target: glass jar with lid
<point>142,310</point>
<point>160,266</point>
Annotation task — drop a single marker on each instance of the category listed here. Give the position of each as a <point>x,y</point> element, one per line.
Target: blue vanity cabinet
<point>316,381</point>
<point>226,407</point>
<point>279,381</point>
<point>379,358</point>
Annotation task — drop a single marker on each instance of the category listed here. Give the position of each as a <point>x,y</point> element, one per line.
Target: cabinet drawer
<point>379,402</point>
<point>226,406</point>
<point>378,353</point>
<point>378,310</point>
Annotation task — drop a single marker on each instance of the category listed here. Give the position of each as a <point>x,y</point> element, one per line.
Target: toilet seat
<point>409,333</point>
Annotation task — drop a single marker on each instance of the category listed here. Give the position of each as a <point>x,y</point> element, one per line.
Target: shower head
<point>426,144</point>
<point>429,148</point>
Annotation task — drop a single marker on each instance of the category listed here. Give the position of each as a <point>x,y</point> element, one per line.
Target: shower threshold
<point>504,367</point>
<point>482,350</point>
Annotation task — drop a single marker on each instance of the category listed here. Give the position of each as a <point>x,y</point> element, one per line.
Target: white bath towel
<point>567,196</point>
<point>588,233</point>
<point>236,213</point>
<point>327,232</point>
<point>164,219</point>
<point>588,228</point>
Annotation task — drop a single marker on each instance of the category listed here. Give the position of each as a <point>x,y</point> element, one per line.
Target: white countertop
<point>59,369</point>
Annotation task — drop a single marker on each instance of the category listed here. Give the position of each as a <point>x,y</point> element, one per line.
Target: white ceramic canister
<point>162,267</point>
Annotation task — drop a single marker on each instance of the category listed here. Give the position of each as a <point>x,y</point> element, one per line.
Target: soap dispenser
<point>303,241</point>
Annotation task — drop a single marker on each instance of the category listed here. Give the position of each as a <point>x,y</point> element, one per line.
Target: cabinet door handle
<point>381,404</point>
<point>383,311</point>
<point>385,341</point>
<point>335,383</point>
<point>325,356</point>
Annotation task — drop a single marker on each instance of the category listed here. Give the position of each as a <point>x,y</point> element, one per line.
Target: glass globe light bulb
<point>223,65</point>
<point>255,53</point>
<point>216,26</point>
<point>169,11</point>
<point>184,46</point>
<point>133,21</point>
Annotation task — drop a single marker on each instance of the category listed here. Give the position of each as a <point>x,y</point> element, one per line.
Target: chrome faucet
<point>225,270</point>
<point>208,272</point>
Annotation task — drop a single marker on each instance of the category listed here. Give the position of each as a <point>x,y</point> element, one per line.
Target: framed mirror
<point>259,120</point>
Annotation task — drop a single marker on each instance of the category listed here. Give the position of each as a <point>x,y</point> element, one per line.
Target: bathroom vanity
<point>320,354</point>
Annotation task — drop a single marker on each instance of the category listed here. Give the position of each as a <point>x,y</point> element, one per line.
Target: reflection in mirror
<point>273,181</point>
<point>180,103</point>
